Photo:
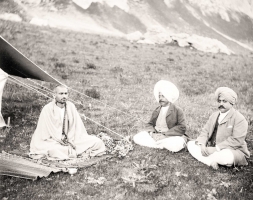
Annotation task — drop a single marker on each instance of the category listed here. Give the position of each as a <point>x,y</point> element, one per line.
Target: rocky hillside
<point>229,21</point>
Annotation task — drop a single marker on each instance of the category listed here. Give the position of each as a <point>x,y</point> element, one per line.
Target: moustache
<point>221,107</point>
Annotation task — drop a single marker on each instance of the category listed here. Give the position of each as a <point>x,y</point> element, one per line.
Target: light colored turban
<point>227,93</point>
<point>168,90</point>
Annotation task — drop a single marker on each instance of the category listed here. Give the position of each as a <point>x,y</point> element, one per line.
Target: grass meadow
<point>122,75</point>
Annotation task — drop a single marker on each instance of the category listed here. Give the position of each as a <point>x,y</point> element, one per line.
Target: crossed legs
<point>173,143</point>
<point>223,157</point>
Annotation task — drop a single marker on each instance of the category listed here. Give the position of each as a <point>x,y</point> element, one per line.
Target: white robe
<point>46,140</point>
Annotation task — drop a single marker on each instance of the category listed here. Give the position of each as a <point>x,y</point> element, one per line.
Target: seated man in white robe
<point>222,139</point>
<point>60,132</point>
<point>166,128</point>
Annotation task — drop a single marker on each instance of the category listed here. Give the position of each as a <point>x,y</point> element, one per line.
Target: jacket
<point>174,118</point>
<point>231,134</point>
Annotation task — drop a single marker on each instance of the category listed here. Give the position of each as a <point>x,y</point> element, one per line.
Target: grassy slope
<point>124,77</point>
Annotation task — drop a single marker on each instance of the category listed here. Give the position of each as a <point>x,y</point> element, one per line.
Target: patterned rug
<point>12,165</point>
<point>17,162</point>
<point>24,167</point>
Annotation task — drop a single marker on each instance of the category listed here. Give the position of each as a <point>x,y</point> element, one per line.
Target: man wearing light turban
<point>166,128</point>
<point>222,140</point>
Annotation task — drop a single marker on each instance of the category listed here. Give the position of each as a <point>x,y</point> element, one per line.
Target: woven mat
<point>12,165</point>
<point>17,163</point>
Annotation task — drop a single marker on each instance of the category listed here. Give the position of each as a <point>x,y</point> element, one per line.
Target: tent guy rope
<point>18,82</point>
<point>106,105</point>
<point>85,117</point>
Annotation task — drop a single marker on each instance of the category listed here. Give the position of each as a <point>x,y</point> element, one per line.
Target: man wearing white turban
<point>222,140</point>
<point>166,128</point>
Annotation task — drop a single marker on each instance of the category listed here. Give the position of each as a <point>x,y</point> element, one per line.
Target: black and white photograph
<point>126,99</point>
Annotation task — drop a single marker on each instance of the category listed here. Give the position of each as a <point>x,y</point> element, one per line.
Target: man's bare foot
<point>214,165</point>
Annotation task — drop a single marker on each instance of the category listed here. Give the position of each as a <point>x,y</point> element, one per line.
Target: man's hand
<point>151,133</point>
<point>211,150</point>
<point>204,151</point>
<point>158,136</point>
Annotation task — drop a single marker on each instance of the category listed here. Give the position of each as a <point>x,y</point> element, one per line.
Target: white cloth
<point>3,79</point>
<point>46,140</point>
<point>161,124</point>
<point>62,112</point>
<point>174,143</point>
<point>223,157</point>
<point>222,116</point>
<point>168,90</point>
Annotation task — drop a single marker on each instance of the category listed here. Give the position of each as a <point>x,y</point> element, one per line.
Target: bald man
<point>166,128</point>
<point>60,132</point>
<point>222,140</point>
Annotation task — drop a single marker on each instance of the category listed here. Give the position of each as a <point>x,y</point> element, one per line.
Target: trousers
<point>222,157</point>
<point>173,143</point>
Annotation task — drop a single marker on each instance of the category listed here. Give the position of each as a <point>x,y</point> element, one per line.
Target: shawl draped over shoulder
<point>46,139</point>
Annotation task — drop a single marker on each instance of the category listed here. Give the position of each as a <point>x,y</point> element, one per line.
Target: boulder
<point>208,45</point>
<point>181,39</point>
<point>180,36</point>
<point>157,35</point>
<point>182,43</point>
<point>11,17</point>
<point>135,36</point>
<point>39,22</point>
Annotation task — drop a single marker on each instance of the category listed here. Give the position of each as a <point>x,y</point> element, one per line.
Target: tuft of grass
<point>92,93</point>
<point>91,66</point>
<point>117,70</point>
<point>59,66</point>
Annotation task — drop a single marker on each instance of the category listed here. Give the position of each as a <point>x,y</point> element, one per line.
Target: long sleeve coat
<point>231,134</point>
<point>174,118</point>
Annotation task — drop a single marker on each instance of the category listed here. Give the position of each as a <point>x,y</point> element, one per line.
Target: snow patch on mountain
<point>122,4</point>
<point>135,18</point>
<point>224,7</point>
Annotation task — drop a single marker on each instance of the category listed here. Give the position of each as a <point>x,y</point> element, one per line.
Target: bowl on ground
<point>72,171</point>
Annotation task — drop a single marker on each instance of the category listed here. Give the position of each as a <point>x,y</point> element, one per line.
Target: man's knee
<point>99,143</point>
<point>175,148</point>
<point>174,144</point>
<point>191,145</point>
<point>139,137</point>
<point>136,138</point>
<point>58,153</point>
<point>226,157</point>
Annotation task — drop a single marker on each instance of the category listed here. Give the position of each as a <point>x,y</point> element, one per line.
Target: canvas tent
<point>16,163</point>
<point>13,62</point>
<point>3,79</point>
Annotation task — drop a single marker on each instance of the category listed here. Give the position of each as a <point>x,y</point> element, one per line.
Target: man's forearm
<point>149,127</point>
<point>172,133</point>
<point>176,131</point>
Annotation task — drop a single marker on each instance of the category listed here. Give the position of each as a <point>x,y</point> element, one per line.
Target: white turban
<point>168,90</point>
<point>227,93</point>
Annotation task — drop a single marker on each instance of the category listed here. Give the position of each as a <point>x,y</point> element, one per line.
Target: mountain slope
<point>214,19</point>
